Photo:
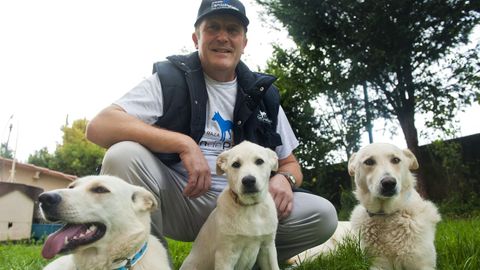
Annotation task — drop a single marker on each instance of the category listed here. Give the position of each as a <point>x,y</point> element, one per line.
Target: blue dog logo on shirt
<point>225,125</point>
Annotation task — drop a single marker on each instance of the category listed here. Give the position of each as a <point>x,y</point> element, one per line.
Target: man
<point>166,133</point>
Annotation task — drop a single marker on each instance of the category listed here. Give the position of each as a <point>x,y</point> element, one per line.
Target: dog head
<point>248,167</point>
<point>382,171</point>
<point>98,211</point>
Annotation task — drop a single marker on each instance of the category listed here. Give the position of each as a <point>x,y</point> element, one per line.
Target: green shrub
<point>459,205</point>
<point>347,203</point>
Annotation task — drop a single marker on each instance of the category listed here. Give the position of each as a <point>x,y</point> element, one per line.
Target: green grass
<point>178,251</point>
<point>347,256</point>
<point>457,243</point>
<point>21,256</point>
<point>26,255</point>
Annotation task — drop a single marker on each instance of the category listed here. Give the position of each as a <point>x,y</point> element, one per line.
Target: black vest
<point>185,102</point>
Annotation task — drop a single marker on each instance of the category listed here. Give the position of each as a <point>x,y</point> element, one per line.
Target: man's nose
<point>222,35</point>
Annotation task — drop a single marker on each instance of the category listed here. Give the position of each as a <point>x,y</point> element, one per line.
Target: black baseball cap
<point>233,7</point>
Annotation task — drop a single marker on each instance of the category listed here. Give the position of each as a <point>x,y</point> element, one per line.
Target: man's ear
<point>144,200</point>
<point>413,163</point>
<point>221,165</point>
<point>244,45</point>
<point>351,164</point>
<point>195,39</point>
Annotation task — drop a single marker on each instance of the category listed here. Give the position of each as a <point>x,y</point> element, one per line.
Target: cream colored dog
<point>241,229</point>
<point>107,226</point>
<point>395,225</point>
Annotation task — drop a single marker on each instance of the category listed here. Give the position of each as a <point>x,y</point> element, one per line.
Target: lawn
<point>457,243</point>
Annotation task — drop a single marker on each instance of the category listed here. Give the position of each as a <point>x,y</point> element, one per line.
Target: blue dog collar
<point>128,263</point>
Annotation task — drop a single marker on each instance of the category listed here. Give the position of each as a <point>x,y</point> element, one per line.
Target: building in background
<point>20,185</point>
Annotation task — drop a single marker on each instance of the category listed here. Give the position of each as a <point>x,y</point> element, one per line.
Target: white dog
<point>394,223</point>
<point>242,227</point>
<point>107,226</point>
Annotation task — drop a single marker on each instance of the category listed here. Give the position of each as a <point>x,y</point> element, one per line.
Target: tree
<point>5,151</point>
<point>324,124</point>
<point>76,155</point>
<point>400,50</point>
<point>299,108</point>
<point>42,158</point>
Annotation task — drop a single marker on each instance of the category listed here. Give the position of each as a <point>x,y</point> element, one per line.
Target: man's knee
<point>123,158</point>
<point>327,222</point>
<point>315,219</point>
<point>121,154</point>
<point>312,222</point>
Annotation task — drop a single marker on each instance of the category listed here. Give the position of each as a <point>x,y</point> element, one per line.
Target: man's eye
<point>259,161</point>
<point>213,27</point>
<point>236,164</point>
<point>369,162</point>
<point>99,189</point>
<point>233,30</point>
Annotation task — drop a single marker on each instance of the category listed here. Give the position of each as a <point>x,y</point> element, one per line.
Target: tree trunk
<point>406,116</point>
<point>407,122</point>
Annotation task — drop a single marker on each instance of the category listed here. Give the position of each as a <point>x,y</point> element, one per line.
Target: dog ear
<point>273,158</point>
<point>351,164</point>
<point>144,200</point>
<point>413,160</point>
<point>221,163</point>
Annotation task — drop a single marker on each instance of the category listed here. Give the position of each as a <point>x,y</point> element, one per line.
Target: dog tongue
<point>56,241</point>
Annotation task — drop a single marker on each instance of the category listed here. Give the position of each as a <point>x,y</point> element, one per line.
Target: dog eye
<point>395,160</point>
<point>236,164</point>
<point>259,161</point>
<point>99,189</point>
<point>369,162</point>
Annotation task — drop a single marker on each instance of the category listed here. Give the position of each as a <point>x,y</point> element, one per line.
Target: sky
<point>72,58</point>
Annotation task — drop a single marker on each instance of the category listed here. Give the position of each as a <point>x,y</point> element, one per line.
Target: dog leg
<point>424,267</point>
<point>420,265</point>
<point>380,263</point>
<point>62,263</point>
<point>267,257</point>
<point>226,256</point>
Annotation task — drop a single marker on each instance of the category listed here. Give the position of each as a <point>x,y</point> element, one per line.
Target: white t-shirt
<point>145,102</point>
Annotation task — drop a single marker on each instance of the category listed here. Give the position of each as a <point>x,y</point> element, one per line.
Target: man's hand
<point>199,176</point>
<point>282,194</point>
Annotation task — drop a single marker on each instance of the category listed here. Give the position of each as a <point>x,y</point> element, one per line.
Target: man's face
<point>220,40</point>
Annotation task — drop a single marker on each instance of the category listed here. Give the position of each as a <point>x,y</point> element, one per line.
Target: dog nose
<point>248,181</point>
<point>49,199</point>
<point>388,185</point>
